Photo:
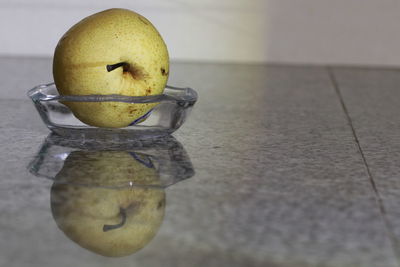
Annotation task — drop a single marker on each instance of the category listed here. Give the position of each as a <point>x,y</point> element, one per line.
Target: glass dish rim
<point>186,94</point>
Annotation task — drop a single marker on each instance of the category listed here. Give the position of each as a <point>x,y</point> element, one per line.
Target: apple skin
<point>112,222</point>
<point>105,38</point>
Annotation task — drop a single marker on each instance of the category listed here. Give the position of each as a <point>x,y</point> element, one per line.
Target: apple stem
<point>117,65</point>
<point>108,227</point>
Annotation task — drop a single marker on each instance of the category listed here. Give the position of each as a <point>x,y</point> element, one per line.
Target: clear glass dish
<point>173,107</point>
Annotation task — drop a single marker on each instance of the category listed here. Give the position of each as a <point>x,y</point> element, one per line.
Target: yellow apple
<point>116,51</point>
<point>112,222</point>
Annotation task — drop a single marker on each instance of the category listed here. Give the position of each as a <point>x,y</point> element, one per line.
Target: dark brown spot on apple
<point>164,72</point>
<point>136,72</point>
<point>148,90</point>
<point>160,204</point>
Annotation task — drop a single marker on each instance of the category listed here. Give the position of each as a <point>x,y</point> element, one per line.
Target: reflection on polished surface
<point>107,200</point>
<point>153,163</point>
<point>108,168</point>
<point>279,180</point>
<point>108,221</point>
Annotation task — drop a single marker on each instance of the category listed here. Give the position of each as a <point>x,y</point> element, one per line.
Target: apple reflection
<point>111,202</point>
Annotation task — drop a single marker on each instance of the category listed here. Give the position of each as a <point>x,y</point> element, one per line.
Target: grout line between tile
<point>382,210</point>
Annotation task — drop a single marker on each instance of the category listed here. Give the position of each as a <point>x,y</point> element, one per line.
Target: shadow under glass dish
<point>173,107</point>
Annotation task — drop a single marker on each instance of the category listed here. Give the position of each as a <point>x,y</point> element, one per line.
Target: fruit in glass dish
<point>113,52</point>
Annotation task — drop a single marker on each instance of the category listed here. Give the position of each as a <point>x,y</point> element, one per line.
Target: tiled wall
<point>299,31</point>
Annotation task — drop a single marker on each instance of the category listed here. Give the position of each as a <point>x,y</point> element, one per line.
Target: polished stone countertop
<point>276,166</point>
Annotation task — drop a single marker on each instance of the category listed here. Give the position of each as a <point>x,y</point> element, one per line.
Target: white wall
<point>361,32</point>
<point>193,30</point>
<point>294,31</point>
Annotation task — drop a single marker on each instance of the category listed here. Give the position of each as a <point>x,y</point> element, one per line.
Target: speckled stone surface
<point>371,97</point>
<point>279,180</point>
